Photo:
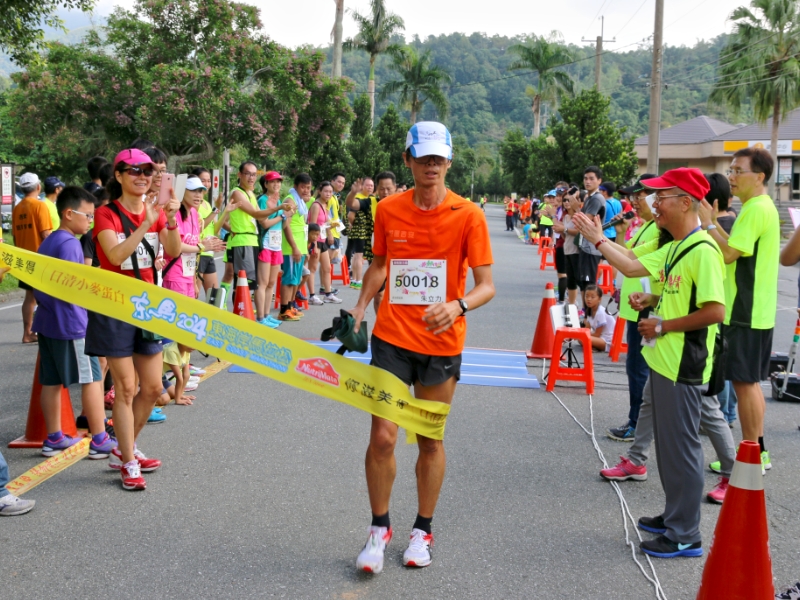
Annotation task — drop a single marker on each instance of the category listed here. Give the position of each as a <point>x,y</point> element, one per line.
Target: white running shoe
<point>11,506</point>
<point>371,558</point>
<point>315,300</point>
<point>332,299</point>
<point>418,553</point>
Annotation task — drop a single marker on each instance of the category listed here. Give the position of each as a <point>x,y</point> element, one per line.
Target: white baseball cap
<point>429,138</point>
<point>29,180</point>
<point>194,183</point>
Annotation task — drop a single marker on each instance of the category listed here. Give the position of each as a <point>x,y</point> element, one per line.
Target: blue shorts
<point>292,271</point>
<point>64,362</point>
<point>106,336</point>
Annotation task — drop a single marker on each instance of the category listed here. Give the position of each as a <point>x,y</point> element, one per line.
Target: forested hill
<point>486,98</point>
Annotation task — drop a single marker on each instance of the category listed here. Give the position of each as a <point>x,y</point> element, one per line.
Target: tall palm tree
<point>761,64</point>
<point>419,82</point>
<point>374,37</point>
<point>337,39</point>
<point>544,54</point>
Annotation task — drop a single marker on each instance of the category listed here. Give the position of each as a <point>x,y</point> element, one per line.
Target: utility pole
<point>654,133</point>
<point>598,53</point>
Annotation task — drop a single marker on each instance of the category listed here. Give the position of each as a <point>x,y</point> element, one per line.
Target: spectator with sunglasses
<point>127,233</point>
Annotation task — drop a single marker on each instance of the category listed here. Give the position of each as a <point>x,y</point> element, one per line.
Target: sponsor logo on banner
<point>320,369</point>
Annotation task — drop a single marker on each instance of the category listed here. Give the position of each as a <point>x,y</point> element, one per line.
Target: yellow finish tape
<point>227,336</point>
<point>44,471</point>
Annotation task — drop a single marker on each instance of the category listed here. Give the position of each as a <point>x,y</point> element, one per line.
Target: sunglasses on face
<point>137,171</point>
<point>424,160</point>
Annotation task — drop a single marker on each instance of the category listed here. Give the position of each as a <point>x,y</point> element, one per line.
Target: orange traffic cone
<point>242,305</point>
<point>35,429</point>
<point>542,344</point>
<point>739,566</point>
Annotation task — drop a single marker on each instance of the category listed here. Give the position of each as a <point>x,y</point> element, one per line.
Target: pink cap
<point>133,157</point>
<point>272,176</point>
<point>692,181</point>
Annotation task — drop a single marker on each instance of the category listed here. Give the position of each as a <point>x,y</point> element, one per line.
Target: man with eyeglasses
<point>424,240</point>
<point>679,347</point>
<point>751,252</point>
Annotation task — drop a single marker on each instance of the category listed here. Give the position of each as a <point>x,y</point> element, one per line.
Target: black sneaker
<point>652,524</point>
<point>663,547</point>
<point>626,433</point>
<point>793,593</point>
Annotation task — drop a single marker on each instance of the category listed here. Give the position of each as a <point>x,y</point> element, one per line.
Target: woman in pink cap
<point>127,232</point>
<point>270,257</point>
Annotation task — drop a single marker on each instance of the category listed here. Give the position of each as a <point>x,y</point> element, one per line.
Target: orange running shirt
<point>28,220</point>
<point>456,231</point>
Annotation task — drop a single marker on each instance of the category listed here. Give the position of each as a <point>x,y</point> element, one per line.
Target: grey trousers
<point>676,424</point>
<point>711,419</point>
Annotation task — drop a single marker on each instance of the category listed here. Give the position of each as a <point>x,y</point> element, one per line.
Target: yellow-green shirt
<point>243,228</point>
<point>204,210</point>
<point>53,213</point>
<point>632,285</point>
<point>333,214</point>
<point>299,230</point>
<point>697,278</point>
<point>751,286</point>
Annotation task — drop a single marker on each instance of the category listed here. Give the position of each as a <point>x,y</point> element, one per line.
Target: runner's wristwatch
<point>464,306</point>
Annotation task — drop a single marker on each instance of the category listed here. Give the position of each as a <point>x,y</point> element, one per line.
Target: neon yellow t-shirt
<point>243,228</point>
<point>51,207</point>
<point>299,230</point>
<point>751,287</point>
<point>697,278</point>
<point>632,285</point>
<point>333,214</point>
<point>204,210</point>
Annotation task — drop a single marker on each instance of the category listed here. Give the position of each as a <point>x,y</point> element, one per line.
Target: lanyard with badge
<point>672,260</point>
<point>189,259</point>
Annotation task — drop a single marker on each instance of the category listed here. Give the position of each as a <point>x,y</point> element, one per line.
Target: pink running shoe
<point>717,495</point>
<point>625,470</point>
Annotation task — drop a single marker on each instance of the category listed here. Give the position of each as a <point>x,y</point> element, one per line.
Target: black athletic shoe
<point>626,433</point>
<point>663,547</point>
<point>652,524</point>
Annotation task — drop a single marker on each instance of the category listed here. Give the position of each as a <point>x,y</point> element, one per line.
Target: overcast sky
<point>310,21</point>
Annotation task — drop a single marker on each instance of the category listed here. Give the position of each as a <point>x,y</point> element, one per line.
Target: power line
<point>686,13</point>
<point>594,18</point>
<point>632,16</point>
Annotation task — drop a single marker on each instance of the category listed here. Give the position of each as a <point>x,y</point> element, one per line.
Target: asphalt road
<point>262,492</point>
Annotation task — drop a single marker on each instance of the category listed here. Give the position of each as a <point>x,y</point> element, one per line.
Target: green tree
<point>391,132</point>
<point>460,174</point>
<point>334,157</point>
<point>374,37</point>
<point>21,21</point>
<point>515,151</point>
<point>193,77</point>
<point>762,65</point>
<point>544,55</point>
<point>365,148</point>
<point>420,82</point>
<point>583,136</point>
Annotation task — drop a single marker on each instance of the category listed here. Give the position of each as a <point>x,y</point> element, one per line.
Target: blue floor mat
<point>498,368</point>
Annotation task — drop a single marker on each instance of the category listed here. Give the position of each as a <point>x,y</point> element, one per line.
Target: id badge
<point>275,238</point>
<point>417,281</point>
<point>189,263</point>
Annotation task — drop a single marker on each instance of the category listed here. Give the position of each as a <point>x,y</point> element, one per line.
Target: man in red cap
<point>679,338</point>
<point>751,252</point>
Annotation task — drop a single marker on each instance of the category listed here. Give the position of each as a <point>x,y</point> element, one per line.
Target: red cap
<point>691,181</point>
<point>272,176</point>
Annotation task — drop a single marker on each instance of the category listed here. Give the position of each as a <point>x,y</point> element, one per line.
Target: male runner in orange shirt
<point>425,239</point>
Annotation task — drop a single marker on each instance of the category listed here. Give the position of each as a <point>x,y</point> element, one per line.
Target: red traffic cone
<point>739,566</point>
<point>242,305</point>
<point>35,429</point>
<point>542,344</point>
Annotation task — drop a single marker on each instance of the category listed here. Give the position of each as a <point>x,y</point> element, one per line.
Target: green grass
<point>9,283</point>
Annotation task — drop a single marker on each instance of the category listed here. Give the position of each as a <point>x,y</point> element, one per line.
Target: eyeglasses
<point>424,160</point>
<point>160,172</point>
<point>250,175</point>
<point>137,171</point>
<point>87,215</point>
<point>737,172</point>
<point>660,198</point>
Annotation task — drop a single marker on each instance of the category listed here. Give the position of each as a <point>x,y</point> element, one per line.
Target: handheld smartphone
<point>165,193</point>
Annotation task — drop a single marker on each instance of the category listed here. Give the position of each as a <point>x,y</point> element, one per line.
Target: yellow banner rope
<point>227,336</point>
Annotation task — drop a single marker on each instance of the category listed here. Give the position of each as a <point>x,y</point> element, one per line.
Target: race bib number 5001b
<point>417,281</point>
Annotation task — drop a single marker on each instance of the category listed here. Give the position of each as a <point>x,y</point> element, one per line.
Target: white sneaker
<point>315,300</point>
<point>11,506</point>
<point>418,553</point>
<point>332,299</point>
<point>371,558</point>
<point>190,387</point>
<point>192,379</point>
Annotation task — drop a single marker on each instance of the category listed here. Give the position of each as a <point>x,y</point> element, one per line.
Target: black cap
<point>636,187</point>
